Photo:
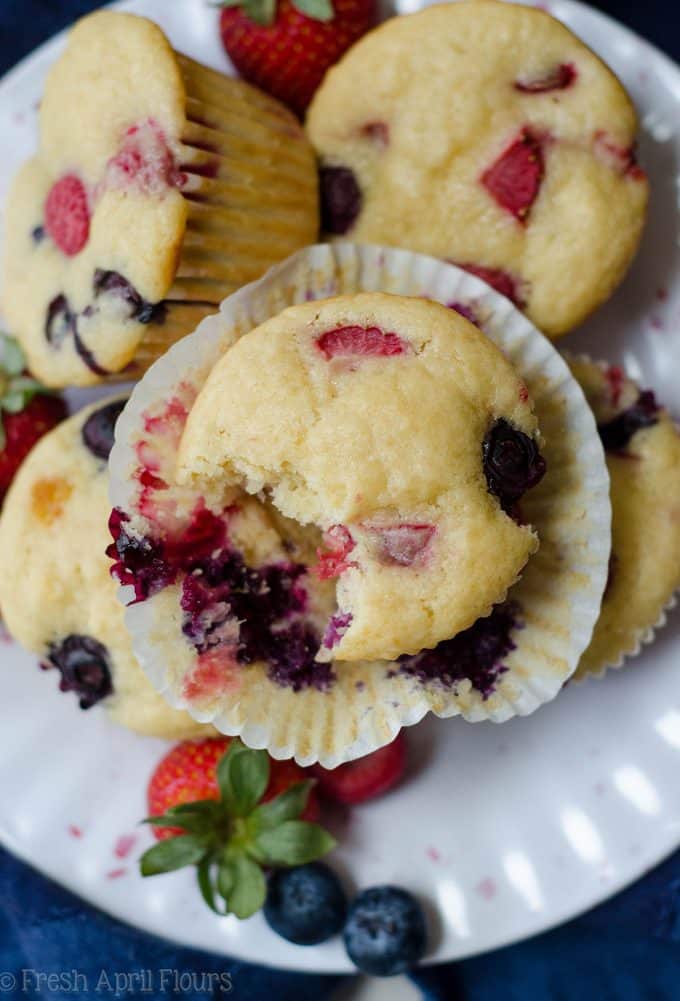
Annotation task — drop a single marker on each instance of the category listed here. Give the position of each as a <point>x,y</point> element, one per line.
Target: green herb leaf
<point>197,818</point>
<point>260,11</point>
<point>249,889</point>
<point>14,403</point>
<point>294,842</point>
<point>319,10</point>
<point>174,853</point>
<point>224,770</point>
<point>11,356</point>
<point>249,774</point>
<point>287,805</point>
<point>207,889</point>
<point>226,877</point>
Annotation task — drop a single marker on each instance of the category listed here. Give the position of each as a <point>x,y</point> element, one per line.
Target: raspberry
<point>514,180</point>
<point>356,340</point>
<point>67,215</point>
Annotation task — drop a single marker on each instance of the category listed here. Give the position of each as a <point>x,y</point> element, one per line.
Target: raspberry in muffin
<point>487,134</point>
<point>62,602</point>
<point>159,187</point>
<point>642,448</point>
<point>401,432</point>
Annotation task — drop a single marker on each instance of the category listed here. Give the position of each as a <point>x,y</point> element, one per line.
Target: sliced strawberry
<point>401,544</point>
<point>365,778</point>
<point>333,561</point>
<point>558,78</point>
<point>619,158</point>
<point>514,180</point>
<point>355,340</point>
<point>67,214</point>
<point>502,281</point>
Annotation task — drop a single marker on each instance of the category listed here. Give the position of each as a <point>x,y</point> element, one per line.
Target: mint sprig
<point>263,12</point>
<point>233,839</point>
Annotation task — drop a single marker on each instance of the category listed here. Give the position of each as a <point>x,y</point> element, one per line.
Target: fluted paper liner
<point>561,587</point>
<point>646,634</point>
<point>251,194</point>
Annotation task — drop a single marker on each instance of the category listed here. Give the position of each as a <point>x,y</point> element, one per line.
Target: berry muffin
<point>642,446</point>
<point>63,604</point>
<point>390,424</point>
<point>487,134</point>
<point>160,186</point>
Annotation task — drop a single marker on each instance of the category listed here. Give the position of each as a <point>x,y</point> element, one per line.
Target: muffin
<point>487,134</point>
<point>230,599</point>
<point>383,421</point>
<point>62,605</point>
<point>159,187</point>
<point>642,445</point>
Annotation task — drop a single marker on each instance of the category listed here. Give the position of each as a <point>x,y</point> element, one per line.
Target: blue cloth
<point>628,949</point>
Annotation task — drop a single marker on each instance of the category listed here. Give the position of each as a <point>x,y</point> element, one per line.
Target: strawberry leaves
<point>230,840</point>
<point>17,389</point>
<point>263,12</point>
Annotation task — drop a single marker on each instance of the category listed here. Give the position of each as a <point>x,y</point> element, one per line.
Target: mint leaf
<point>205,884</point>
<point>260,11</point>
<point>294,842</point>
<point>249,889</point>
<point>287,805</point>
<point>319,10</point>
<point>174,853</point>
<point>249,775</point>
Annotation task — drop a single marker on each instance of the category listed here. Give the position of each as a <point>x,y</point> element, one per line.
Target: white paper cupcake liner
<point>645,635</point>
<point>561,587</point>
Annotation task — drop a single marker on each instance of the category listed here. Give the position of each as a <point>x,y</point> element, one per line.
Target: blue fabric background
<point>628,949</point>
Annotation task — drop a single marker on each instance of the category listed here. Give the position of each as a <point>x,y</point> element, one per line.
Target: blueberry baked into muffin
<point>63,604</point>
<point>386,423</point>
<point>642,447</point>
<point>159,187</point>
<point>487,134</point>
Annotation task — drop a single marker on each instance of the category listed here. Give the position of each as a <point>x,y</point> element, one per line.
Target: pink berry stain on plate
<point>124,845</point>
<point>486,888</point>
<point>116,873</point>
<point>75,831</point>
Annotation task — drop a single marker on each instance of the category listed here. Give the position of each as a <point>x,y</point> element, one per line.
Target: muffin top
<point>487,134</point>
<point>402,432</point>
<point>642,446</point>
<point>63,604</point>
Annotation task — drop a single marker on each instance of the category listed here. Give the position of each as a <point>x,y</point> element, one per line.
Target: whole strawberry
<point>27,411</point>
<point>234,814</point>
<point>285,47</point>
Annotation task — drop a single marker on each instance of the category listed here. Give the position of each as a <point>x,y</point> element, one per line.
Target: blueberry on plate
<point>305,905</point>
<point>385,933</point>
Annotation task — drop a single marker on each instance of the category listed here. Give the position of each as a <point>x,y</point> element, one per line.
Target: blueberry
<point>512,463</point>
<point>60,321</point>
<point>113,283</point>
<point>305,905</point>
<point>84,666</point>
<point>340,199</point>
<point>616,433</point>
<point>385,932</point>
<point>97,431</point>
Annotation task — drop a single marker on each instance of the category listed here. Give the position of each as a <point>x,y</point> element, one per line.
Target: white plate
<point>505,830</point>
